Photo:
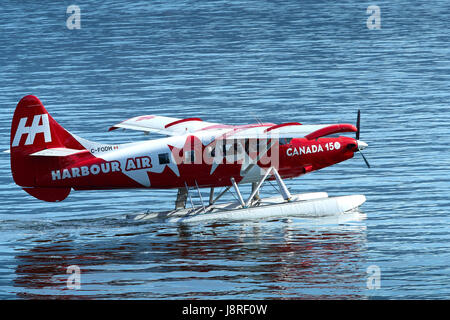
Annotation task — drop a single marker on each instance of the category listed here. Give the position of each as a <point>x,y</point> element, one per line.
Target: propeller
<point>358,124</point>
<point>361,144</point>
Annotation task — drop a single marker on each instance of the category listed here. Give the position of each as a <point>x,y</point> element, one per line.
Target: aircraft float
<point>48,162</point>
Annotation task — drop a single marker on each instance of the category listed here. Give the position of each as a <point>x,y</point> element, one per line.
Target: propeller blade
<point>358,122</point>
<point>361,144</point>
<point>364,158</point>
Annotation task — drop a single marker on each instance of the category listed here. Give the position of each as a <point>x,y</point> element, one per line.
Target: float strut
<point>189,194</point>
<point>200,196</point>
<point>211,197</point>
<point>220,195</point>
<point>283,189</point>
<point>258,186</point>
<point>180,203</point>
<point>236,188</point>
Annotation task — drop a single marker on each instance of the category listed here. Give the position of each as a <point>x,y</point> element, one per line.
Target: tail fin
<point>34,130</point>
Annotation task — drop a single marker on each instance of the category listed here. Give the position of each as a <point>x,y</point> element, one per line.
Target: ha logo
<point>33,130</point>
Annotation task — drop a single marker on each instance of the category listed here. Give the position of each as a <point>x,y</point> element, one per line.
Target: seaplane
<point>48,161</point>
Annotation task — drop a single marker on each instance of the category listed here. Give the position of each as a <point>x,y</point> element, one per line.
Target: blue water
<point>233,62</point>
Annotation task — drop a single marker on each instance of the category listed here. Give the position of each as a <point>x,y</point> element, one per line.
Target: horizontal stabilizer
<point>57,152</point>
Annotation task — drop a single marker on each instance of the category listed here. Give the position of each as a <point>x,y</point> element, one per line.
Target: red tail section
<point>33,130</point>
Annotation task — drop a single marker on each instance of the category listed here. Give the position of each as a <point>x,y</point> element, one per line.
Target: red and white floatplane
<point>48,162</point>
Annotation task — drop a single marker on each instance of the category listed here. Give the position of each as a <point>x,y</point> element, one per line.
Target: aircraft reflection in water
<point>289,258</point>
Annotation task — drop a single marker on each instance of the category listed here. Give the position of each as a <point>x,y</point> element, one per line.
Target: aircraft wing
<point>289,130</point>
<point>176,126</point>
<point>166,125</point>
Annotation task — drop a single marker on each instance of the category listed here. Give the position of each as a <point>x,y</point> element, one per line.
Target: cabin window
<point>251,146</point>
<point>284,141</point>
<point>189,156</point>
<point>164,158</point>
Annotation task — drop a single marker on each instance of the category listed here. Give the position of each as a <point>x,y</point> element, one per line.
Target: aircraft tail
<point>38,143</point>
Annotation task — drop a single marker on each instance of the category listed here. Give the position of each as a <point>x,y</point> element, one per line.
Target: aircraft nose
<point>362,145</point>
